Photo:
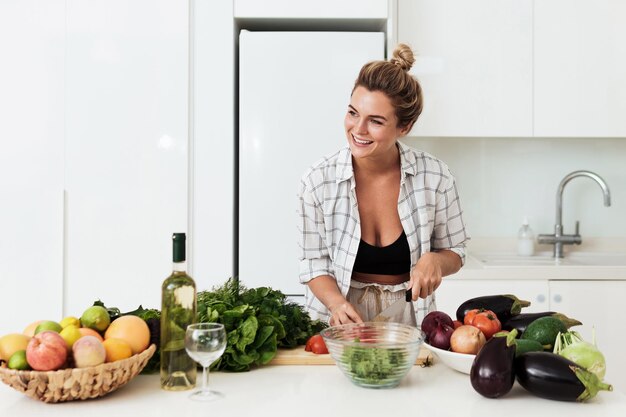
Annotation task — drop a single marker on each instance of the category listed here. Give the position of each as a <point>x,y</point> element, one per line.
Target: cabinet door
<point>451,293</point>
<point>580,62</point>
<point>597,304</point>
<point>474,62</point>
<point>31,162</point>
<point>126,148</point>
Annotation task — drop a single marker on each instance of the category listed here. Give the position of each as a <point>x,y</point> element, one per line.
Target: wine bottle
<point>178,310</point>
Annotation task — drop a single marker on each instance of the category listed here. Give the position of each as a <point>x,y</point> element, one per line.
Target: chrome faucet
<point>558,239</point>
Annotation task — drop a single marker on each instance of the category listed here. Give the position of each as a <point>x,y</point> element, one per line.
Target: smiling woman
<point>377,217</point>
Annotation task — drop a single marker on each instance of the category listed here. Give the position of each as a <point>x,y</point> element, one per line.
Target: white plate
<point>461,362</point>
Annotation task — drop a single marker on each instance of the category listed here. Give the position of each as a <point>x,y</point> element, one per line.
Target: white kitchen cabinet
<point>579,67</point>
<point>319,9</point>
<point>31,162</point>
<point>211,247</point>
<point>453,292</point>
<point>597,304</point>
<point>474,62</point>
<point>126,148</point>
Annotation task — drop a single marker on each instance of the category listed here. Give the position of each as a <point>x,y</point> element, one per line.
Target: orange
<point>90,332</point>
<point>11,343</point>
<point>117,349</point>
<point>131,329</point>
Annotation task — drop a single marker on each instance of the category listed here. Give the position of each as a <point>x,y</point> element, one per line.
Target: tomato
<point>457,324</point>
<point>485,320</point>
<point>316,344</point>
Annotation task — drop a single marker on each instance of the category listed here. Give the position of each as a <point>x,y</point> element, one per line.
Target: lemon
<point>71,334</point>
<point>69,321</point>
<point>96,318</point>
<point>117,349</point>
<point>48,325</point>
<point>18,361</point>
<point>11,343</point>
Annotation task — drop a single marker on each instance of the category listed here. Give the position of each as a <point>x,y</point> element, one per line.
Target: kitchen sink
<point>543,259</point>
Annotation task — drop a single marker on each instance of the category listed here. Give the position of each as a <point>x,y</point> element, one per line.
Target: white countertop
<point>315,391</point>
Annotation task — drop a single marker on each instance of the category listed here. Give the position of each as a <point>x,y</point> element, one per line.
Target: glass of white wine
<point>205,343</point>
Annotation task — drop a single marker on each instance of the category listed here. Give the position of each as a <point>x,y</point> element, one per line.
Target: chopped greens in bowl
<point>374,355</point>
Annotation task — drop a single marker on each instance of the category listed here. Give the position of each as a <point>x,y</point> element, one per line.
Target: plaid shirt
<point>329,226</point>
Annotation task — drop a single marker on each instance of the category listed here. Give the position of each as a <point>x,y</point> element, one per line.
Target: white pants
<point>369,299</point>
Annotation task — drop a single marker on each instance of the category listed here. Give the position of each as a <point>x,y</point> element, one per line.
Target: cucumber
<point>527,345</point>
<point>544,330</point>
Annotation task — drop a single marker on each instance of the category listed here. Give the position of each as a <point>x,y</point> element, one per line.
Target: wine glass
<point>205,343</point>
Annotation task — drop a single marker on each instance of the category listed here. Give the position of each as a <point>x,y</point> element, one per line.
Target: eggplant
<point>522,320</point>
<point>554,377</point>
<point>505,306</point>
<point>493,371</point>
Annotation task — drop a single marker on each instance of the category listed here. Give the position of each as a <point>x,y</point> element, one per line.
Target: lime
<point>71,334</point>
<point>18,361</point>
<point>48,325</point>
<point>96,318</point>
<point>69,321</point>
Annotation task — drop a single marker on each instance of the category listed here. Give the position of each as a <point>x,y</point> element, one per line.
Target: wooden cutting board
<point>298,356</point>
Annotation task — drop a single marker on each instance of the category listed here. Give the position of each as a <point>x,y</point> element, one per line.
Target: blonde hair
<point>393,79</point>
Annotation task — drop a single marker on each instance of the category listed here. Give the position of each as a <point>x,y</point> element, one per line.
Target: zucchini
<point>554,377</point>
<point>527,345</point>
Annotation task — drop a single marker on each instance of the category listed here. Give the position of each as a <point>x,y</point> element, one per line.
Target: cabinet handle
<point>557,298</point>
<point>541,298</point>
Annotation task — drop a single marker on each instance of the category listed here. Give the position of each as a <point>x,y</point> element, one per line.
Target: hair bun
<point>403,57</point>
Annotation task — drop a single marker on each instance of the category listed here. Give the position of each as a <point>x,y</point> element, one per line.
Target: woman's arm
<point>429,270</point>
<point>325,290</point>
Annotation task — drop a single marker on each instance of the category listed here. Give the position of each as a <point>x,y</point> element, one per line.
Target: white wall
<point>501,180</point>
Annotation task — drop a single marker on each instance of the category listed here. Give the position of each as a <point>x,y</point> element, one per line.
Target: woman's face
<point>371,124</point>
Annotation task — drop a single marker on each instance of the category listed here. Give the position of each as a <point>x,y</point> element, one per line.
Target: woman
<point>378,218</point>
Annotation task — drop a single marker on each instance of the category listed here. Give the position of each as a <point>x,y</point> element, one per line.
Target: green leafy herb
<point>257,322</point>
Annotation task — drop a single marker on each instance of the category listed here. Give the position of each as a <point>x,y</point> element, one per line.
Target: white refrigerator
<point>294,90</point>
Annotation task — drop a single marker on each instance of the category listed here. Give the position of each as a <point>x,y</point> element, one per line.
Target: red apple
<point>46,351</point>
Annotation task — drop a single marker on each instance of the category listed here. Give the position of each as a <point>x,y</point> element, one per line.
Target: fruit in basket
<point>30,329</point>
<point>96,318</point>
<point>11,343</point>
<point>71,334</point>
<point>70,321</point>
<point>131,329</point>
<point>88,351</point>
<point>48,325</point>
<point>117,349</point>
<point>46,351</point>
<point>18,361</point>
<point>85,331</point>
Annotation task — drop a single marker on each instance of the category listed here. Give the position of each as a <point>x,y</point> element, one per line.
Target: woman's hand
<point>430,268</point>
<point>425,276</point>
<point>343,313</point>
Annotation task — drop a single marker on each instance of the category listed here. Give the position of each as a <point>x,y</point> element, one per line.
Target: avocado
<point>544,330</point>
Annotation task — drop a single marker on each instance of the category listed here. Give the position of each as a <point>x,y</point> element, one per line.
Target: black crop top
<point>394,259</point>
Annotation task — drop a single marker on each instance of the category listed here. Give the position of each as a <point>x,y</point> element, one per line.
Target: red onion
<point>440,337</point>
<point>433,319</point>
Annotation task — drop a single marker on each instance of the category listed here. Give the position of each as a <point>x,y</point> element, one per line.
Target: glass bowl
<point>374,355</point>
